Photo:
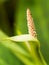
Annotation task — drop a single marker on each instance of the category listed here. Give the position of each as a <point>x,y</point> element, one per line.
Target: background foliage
<point>13,22</point>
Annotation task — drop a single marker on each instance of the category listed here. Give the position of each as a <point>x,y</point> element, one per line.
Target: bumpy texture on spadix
<point>30,24</point>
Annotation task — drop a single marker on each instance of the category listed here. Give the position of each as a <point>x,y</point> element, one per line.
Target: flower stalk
<point>34,48</point>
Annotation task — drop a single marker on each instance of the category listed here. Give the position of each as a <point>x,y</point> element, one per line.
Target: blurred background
<point>13,22</point>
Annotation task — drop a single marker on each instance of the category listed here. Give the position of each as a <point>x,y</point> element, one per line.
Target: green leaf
<point>33,56</point>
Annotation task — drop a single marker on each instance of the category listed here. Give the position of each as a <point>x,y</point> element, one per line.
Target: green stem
<point>36,54</point>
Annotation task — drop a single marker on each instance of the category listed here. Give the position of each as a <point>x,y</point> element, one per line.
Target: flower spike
<point>30,24</point>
